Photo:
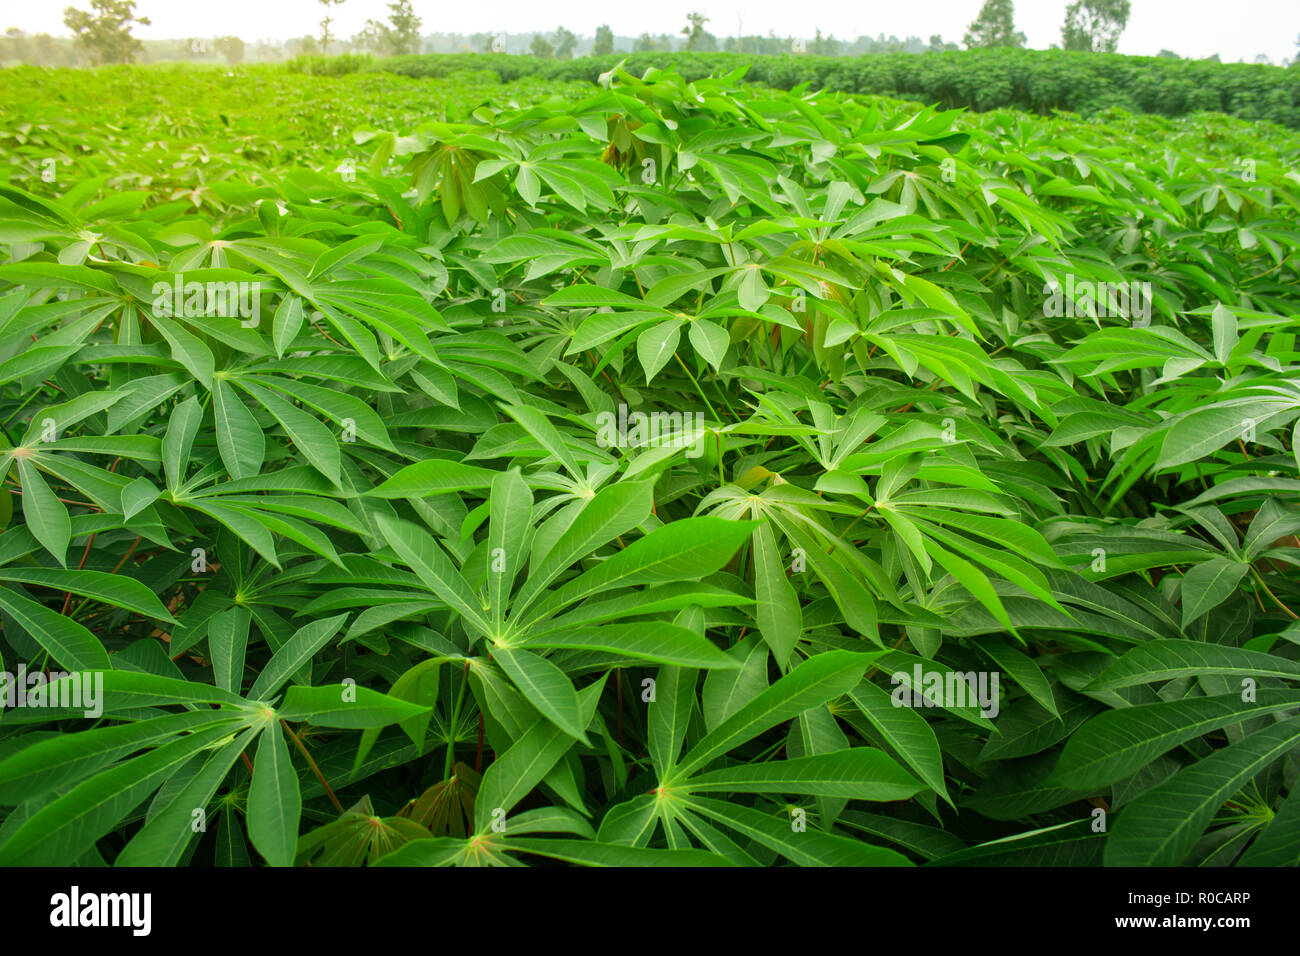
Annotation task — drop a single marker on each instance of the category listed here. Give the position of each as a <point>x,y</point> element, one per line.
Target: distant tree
<point>406,27</point>
<point>1094,26</point>
<point>401,35</point>
<point>1169,55</point>
<point>824,45</point>
<point>542,48</point>
<point>16,46</point>
<point>232,48</point>
<point>325,34</point>
<point>694,30</point>
<point>995,26</point>
<point>644,43</point>
<point>105,36</point>
<point>565,42</point>
<point>604,44</point>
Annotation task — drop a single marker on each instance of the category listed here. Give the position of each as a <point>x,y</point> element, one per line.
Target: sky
<point>1234,29</point>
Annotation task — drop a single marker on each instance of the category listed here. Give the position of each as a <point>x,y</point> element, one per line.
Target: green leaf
<point>657,345</point>
<point>1120,742</point>
<point>111,589</point>
<point>345,705</point>
<point>239,437</point>
<point>68,643</point>
<point>544,686</point>
<point>780,619</point>
<point>45,515</point>
<point>906,731</point>
<point>1168,659</point>
<point>860,773</point>
<point>61,831</point>
<point>274,799</point>
<point>1209,584</point>
<point>710,341</point>
<point>295,652</point>
<point>814,682</point>
<point>1162,825</point>
<point>435,476</point>
<point>648,640</point>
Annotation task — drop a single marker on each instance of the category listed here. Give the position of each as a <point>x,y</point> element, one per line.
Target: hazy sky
<point>1234,29</point>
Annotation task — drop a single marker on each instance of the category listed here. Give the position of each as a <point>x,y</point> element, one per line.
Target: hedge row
<point>1036,80</point>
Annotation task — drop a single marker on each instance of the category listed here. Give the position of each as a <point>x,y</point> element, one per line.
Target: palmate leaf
<point>402,460</point>
<point>1160,827</point>
<point>62,830</point>
<point>162,841</point>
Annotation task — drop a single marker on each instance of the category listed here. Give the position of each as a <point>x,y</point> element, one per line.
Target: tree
<point>824,45</point>
<point>1094,26</point>
<point>644,43</point>
<point>404,36</point>
<point>106,37</point>
<point>325,35</point>
<point>16,45</point>
<point>995,26</point>
<point>564,44</point>
<point>232,48</point>
<point>1169,55</point>
<point>604,44</point>
<point>401,38</point>
<point>694,30</point>
<point>542,48</point>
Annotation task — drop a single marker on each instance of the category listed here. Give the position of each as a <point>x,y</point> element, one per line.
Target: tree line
<point>104,35</point>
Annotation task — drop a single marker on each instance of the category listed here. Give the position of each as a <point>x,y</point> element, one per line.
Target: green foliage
<point>611,478</point>
<point>1038,81</point>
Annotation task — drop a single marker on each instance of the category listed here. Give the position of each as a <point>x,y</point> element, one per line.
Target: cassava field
<point>441,470</point>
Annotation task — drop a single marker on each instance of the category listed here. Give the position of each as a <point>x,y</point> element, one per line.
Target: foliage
<point>1038,81</point>
<point>324,552</point>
